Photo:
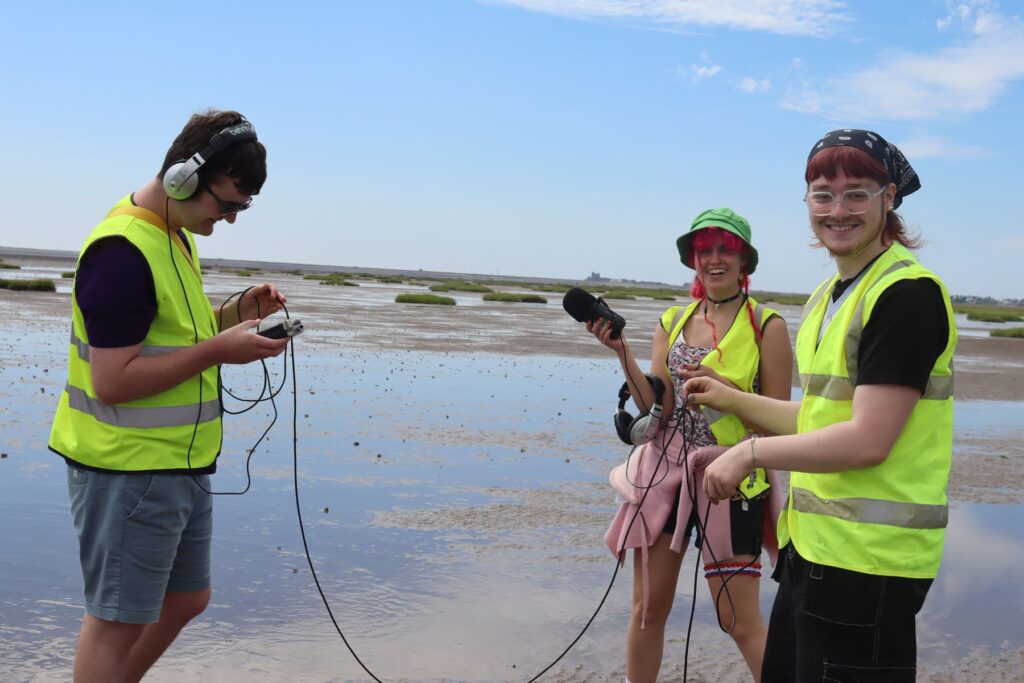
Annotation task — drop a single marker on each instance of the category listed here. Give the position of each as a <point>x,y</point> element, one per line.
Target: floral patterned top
<point>679,355</point>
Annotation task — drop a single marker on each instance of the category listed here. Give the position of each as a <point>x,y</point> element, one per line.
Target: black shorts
<point>746,522</point>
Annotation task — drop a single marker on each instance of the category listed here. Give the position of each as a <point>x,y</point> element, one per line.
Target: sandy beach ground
<point>456,466</point>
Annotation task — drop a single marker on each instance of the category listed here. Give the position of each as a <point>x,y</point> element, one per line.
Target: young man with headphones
<point>139,421</point>
<point>869,444</point>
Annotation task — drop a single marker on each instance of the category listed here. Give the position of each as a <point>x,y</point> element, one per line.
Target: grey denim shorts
<point>140,536</point>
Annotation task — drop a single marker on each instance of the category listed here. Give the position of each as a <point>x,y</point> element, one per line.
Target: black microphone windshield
<point>578,303</point>
<point>582,306</point>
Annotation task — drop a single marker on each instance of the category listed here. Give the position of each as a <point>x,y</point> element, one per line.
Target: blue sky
<point>524,137</point>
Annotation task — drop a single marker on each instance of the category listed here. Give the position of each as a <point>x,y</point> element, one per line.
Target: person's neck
<point>152,196</point>
<point>851,266</point>
<point>723,299</point>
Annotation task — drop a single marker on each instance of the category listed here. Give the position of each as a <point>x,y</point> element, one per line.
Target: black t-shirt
<point>906,333</point>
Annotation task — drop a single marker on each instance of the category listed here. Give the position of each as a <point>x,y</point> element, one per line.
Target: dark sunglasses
<point>229,207</point>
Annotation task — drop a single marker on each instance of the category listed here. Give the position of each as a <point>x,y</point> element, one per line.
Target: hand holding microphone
<point>586,308</point>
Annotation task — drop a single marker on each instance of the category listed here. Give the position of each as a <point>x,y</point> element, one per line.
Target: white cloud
<point>752,85</point>
<point>700,72</point>
<point>973,14</point>
<point>705,69</point>
<point>961,79</point>
<point>938,148</point>
<point>787,17</point>
<point>968,537</point>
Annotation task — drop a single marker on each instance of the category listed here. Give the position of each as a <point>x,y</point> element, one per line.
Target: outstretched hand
<point>708,391</point>
<point>724,474</point>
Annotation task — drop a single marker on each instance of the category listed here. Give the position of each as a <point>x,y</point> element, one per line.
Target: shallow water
<point>454,506</point>
<point>977,328</point>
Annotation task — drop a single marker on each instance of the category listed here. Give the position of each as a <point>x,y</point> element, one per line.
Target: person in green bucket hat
<point>725,334</point>
<point>723,219</point>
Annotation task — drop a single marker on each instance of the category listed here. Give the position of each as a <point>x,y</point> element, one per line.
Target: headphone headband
<point>234,135</point>
<point>182,179</point>
<point>656,384</point>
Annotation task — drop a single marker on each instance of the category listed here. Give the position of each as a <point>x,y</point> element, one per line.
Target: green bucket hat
<point>725,219</point>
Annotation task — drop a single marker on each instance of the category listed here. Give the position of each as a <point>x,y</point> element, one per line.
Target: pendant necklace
<point>719,302</point>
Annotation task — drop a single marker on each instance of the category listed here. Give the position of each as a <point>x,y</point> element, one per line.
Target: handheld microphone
<point>585,307</point>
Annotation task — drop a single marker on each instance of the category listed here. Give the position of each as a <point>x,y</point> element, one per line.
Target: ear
<point>890,197</point>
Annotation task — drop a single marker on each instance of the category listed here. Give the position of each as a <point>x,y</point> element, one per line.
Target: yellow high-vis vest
<point>152,433</point>
<point>738,362</point>
<point>888,519</point>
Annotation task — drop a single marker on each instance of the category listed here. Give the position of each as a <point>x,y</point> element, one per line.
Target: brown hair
<point>244,163</point>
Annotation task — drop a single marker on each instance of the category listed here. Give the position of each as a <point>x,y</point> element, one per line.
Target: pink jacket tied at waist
<point>632,483</point>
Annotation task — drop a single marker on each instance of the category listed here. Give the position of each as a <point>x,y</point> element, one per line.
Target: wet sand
<point>366,317</point>
<point>558,525</point>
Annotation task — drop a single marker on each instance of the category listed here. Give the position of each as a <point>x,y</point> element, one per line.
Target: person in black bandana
<point>869,444</point>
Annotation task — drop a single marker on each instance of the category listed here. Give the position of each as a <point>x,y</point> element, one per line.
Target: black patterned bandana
<point>900,171</point>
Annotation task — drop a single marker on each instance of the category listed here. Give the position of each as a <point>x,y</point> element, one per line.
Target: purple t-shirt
<point>115,292</point>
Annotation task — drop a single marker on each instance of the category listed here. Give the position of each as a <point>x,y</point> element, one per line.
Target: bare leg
<point>177,610</point>
<point>748,630</point>
<point>103,646</point>
<point>644,646</point>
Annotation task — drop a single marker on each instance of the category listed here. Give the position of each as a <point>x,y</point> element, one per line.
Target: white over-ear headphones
<point>182,179</point>
<point>642,428</point>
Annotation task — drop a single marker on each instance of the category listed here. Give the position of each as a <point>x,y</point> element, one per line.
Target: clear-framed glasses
<point>854,201</point>
<point>229,207</point>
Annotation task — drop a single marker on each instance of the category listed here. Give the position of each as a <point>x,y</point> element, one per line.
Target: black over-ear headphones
<point>642,428</point>
<point>182,179</point>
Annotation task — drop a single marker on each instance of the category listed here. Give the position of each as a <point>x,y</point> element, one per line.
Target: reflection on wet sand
<point>452,468</point>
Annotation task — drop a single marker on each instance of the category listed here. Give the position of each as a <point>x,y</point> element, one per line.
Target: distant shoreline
<point>71,256</point>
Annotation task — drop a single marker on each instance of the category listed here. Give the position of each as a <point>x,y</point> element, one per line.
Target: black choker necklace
<point>719,302</point>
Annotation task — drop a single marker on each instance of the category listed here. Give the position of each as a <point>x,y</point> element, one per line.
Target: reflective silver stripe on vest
<point>712,415</point>
<point>827,386</point>
<point>83,348</point>
<point>873,510</point>
<point>833,387</point>
<point>145,418</point>
<point>939,387</point>
<point>759,315</point>
<point>813,301</point>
